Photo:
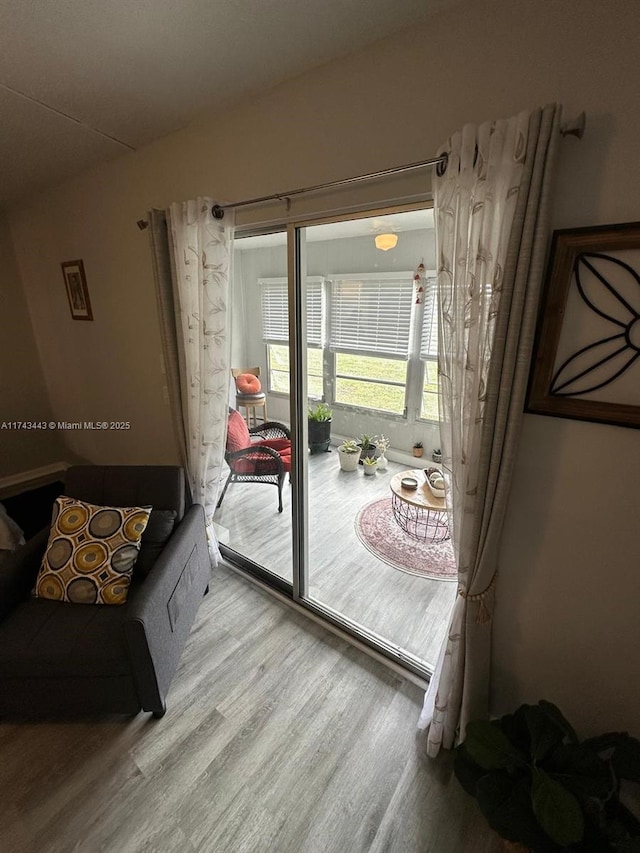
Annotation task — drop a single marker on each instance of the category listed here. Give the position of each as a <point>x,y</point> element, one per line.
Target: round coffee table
<point>418,512</point>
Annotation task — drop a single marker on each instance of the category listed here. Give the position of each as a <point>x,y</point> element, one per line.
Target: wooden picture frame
<point>77,293</point>
<point>586,357</point>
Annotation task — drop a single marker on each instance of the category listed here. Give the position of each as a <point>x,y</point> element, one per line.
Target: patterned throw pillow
<point>91,552</point>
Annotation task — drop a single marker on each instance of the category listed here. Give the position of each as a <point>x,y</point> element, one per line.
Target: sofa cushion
<point>156,535</point>
<point>42,637</point>
<point>90,552</point>
<point>11,535</point>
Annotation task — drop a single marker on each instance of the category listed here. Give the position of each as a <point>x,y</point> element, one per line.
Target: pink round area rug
<point>380,533</point>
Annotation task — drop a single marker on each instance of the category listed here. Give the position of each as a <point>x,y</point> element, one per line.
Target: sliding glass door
<point>343,323</point>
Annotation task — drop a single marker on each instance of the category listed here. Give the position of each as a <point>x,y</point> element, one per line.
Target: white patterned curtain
<point>492,211</point>
<point>193,255</point>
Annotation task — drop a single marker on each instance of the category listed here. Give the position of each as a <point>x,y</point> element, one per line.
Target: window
<point>369,333</point>
<point>371,383</point>
<point>429,405</point>
<point>369,343</point>
<point>275,333</point>
<point>278,361</point>
<point>429,351</point>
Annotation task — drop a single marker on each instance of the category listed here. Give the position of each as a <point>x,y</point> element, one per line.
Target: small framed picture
<point>586,360</point>
<point>77,293</point>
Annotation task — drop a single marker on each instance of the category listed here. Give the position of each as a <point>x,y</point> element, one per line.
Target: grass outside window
<point>381,395</point>
<point>429,408</point>
<point>279,374</point>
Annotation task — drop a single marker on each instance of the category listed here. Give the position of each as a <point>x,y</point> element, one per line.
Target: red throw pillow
<point>237,433</point>
<point>247,383</point>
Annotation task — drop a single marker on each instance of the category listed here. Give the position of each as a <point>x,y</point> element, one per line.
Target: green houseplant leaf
<point>507,806</point>
<point>538,784</point>
<point>489,747</point>
<point>467,771</point>
<point>516,729</point>
<point>555,714</point>
<point>557,810</point>
<point>321,412</point>
<point>581,771</point>
<point>625,753</point>
<point>545,732</point>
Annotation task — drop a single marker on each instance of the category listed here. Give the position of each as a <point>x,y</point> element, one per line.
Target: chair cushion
<point>282,445</point>
<point>237,432</point>
<point>256,399</point>
<point>259,464</point>
<point>91,552</point>
<point>247,383</point>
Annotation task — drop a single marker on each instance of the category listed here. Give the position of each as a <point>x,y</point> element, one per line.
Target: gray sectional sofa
<point>60,658</point>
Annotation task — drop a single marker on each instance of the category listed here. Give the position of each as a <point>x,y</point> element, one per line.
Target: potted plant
<point>368,447</point>
<point>418,449</point>
<point>319,428</point>
<point>382,445</point>
<point>540,786</point>
<point>370,465</point>
<point>349,454</point>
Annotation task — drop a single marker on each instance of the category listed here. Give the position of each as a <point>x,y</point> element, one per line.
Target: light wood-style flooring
<point>411,612</point>
<point>278,738</point>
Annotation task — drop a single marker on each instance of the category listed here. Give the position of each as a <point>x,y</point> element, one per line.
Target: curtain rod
<point>219,209</point>
<point>569,128</point>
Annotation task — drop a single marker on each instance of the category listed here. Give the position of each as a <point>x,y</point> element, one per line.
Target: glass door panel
<point>372,378</point>
<point>248,521</point>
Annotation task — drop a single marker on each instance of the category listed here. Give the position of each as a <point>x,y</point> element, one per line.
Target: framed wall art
<point>586,358</point>
<point>77,292</point>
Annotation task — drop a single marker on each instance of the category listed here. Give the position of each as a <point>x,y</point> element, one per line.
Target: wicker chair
<point>260,454</point>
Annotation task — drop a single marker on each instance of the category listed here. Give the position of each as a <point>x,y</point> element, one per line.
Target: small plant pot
<point>319,436</point>
<point>370,470</point>
<point>369,453</point>
<point>418,451</point>
<point>348,461</point>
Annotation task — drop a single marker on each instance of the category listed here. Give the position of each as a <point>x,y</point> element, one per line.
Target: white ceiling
<point>124,72</point>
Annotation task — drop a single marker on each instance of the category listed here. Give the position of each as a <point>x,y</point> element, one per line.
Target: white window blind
<point>371,313</point>
<point>429,337</point>
<point>275,310</point>
<point>315,313</point>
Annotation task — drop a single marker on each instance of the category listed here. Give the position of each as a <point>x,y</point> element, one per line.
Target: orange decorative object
<point>247,383</point>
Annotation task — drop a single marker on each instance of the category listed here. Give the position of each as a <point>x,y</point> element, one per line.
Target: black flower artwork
<point>601,362</point>
<point>589,320</point>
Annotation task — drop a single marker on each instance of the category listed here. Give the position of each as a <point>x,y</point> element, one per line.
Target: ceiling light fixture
<point>386,241</point>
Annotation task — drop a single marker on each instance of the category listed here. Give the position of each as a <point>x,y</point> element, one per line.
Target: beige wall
<point>567,620</point>
<point>23,396</point>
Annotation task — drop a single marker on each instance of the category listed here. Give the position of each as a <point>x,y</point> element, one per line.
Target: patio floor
<point>411,612</point>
